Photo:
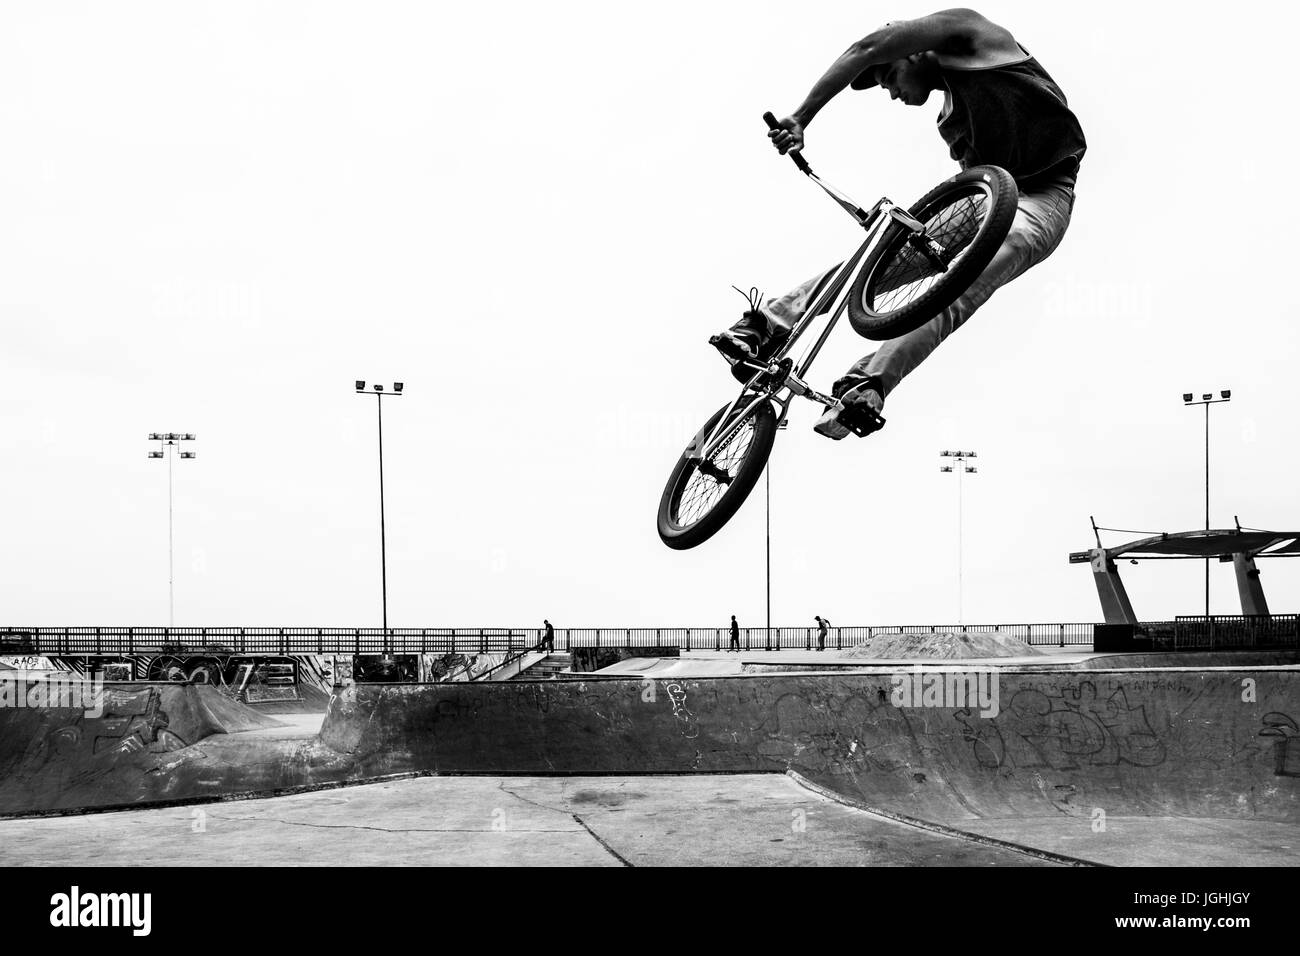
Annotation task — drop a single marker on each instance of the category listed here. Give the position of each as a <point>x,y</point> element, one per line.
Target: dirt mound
<point>940,645</point>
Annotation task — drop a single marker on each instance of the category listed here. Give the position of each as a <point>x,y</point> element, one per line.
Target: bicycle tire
<point>974,235</point>
<point>682,531</point>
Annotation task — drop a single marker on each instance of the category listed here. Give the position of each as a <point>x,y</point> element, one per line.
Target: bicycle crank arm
<point>859,419</point>
<point>799,387</point>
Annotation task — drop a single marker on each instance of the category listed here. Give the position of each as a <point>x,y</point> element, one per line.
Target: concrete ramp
<point>53,755</point>
<point>1086,764</point>
<point>659,667</point>
<point>1149,743</point>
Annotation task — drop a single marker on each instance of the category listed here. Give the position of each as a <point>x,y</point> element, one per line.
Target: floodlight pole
<point>383,532</point>
<point>171,547</point>
<point>169,445</point>
<point>960,467</point>
<point>767,478</point>
<point>1207,399</point>
<point>379,395</point>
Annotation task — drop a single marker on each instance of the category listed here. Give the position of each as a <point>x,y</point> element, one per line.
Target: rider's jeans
<point>1040,224</point>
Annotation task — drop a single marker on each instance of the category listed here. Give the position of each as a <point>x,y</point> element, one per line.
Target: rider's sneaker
<point>750,340</point>
<point>743,344</point>
<point>737,345</point>
<point>860,405</point>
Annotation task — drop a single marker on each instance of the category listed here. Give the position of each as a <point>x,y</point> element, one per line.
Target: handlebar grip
<point>795,157</point>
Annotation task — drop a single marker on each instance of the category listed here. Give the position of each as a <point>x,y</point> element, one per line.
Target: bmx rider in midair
<point>1000,108</point>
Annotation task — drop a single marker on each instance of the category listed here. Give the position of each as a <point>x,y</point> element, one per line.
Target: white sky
<point>216,216</point>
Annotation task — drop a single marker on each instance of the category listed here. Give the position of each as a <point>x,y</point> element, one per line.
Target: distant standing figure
<point>548,638</point>
<point>735,635</point>
<point>822,626</point>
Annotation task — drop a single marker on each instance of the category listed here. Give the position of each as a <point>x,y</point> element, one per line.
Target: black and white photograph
<point>712,436</point>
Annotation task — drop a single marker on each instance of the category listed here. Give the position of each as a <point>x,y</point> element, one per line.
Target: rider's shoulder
<point>976,41</point>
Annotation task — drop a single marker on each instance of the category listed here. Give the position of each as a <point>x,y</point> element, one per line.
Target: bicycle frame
<point>778,380</point>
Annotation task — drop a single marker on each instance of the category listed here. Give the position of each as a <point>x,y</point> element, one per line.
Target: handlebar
<point>797,159</point>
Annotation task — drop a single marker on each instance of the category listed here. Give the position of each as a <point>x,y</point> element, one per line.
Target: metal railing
<point>1229,631</point>
<point>71,641</point>
<point>805,638</point>
<point>511,657</point>
<point>75,641</point>
<point>1217,631</point>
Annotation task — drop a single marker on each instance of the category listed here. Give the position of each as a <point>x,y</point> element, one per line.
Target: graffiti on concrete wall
<point>132,722</point>
<point>440,668</point>
<point>1056,729</point>
<point>27,662</point>
<point>677,698</point>
<point>1063,730</point>
<point>1285,734</point>
<point>840,736</point>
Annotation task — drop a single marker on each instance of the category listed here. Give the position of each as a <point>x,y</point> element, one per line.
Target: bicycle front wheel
<point>903,287</point>
<point>702,495</point>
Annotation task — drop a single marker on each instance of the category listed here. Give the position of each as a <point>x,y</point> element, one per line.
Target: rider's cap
<point>866,79</point>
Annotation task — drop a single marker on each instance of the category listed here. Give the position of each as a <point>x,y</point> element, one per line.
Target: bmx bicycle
<point>913,265</point>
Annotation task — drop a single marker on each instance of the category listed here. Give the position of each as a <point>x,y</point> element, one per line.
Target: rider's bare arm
<point>959,36</point>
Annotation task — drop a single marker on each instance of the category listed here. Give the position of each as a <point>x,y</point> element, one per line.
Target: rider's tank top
<point>1013,116</point>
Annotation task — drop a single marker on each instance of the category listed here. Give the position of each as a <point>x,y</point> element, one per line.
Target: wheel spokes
<point>908,274</point>
<point>703,489</point>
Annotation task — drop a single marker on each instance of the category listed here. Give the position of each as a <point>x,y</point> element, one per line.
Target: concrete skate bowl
<point>1069,763</point>
<point>57,756</point>
<point>1195,660</point>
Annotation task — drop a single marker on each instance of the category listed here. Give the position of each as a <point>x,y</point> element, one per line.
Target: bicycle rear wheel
<point>903,288</point>
<point>702,495</point>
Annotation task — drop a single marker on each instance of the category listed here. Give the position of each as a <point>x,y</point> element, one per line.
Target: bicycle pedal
<point>860,420</point>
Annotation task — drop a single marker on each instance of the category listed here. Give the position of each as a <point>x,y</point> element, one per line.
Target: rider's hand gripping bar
<point>794,155</point>
<point>857,212</point>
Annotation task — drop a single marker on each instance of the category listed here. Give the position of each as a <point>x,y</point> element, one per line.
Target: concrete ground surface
<point>719,663</point>
<point>683,761</point>
<point>699,820</point>
<point>1155,841</point>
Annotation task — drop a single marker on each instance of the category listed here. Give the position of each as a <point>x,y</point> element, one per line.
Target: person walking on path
<point>822,626</point>
<point>735,636</point>
<point>548,636</point>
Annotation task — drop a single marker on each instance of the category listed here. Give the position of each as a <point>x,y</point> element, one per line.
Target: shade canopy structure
<point>1215,543</point>
<point>1241,546</point>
